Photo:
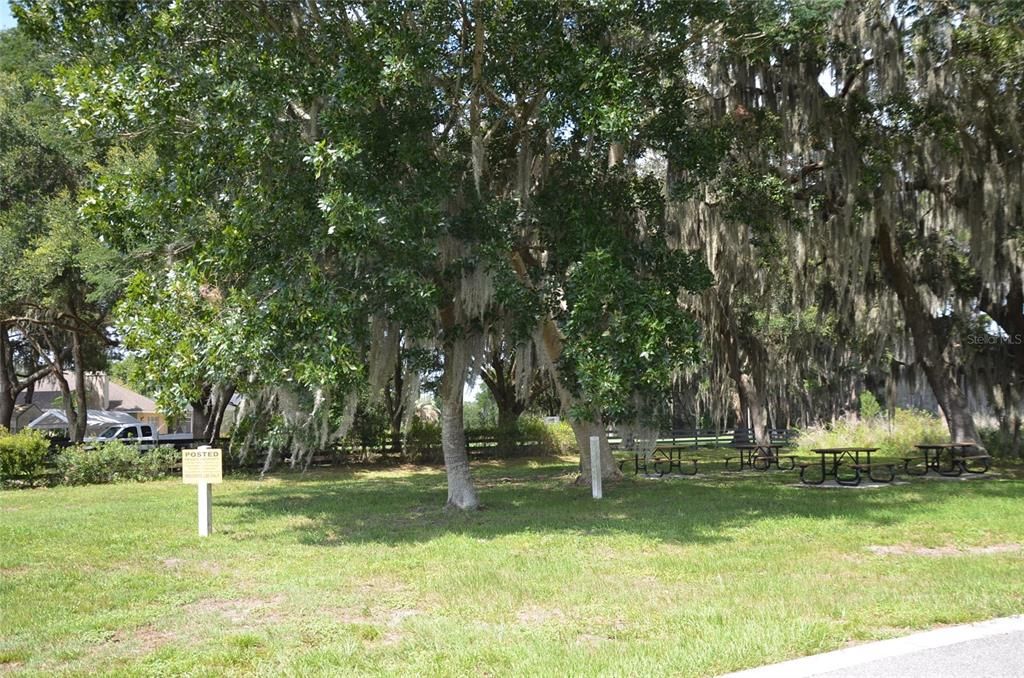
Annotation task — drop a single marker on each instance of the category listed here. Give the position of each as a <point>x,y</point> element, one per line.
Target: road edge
<point>849,657</point>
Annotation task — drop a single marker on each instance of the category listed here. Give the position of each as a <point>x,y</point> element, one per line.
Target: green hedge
<point>557,439</point>
<point>424,439</point>
<point>22,455</point>
<point>114,462</point>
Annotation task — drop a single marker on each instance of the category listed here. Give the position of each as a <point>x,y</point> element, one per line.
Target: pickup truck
<point>144,435</point>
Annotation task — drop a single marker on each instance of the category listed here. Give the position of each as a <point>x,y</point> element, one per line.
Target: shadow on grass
<point>360,505</point>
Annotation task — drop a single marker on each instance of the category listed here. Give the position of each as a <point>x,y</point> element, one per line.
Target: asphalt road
<point>1000,656</point>
<point>991,649</point>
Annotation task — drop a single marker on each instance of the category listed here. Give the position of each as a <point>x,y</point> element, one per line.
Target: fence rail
<point>711,437</point>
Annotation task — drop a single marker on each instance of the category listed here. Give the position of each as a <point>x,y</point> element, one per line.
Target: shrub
<point>1002,443</point>
<point>22,455</point>
<point>869,407</point>
<point>909,427</point>
<point>563,437</point>
<point>157,463</point>
<point>113,462</point>
<point>424,441</point>
<point>555,439</point>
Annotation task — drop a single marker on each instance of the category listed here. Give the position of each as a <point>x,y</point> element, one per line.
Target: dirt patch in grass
<point>146,639</point>
<point>394,619</point>
<point>150,639</point>
<point>344,616</point>
<point>590,640</point>
<point>247,611</point>
<point>522,480</point>
<point>183,565</point>
<point>391,617</point>
<point>944,551</point>
<point>12,571</point>
<point>381,625</point>
<point>534,615</point>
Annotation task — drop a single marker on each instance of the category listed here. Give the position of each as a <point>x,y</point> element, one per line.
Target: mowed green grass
<point>361,572</point>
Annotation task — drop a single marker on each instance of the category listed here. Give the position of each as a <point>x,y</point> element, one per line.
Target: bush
<point>22,455</point>
<point>157,463</point>
<point>909,427</point>
<point>563,437</point>
<point>869,407</point>
<point>554,439</point>
<point>1001,443</point>
<point>113,462</point>
<point>424,441</point>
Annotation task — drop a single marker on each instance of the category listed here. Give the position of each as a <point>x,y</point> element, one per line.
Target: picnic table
<point>959,457</point>
<point>843,455</point>
<point>672,457</point>
<point>760,457</point>
<point>662,460</point>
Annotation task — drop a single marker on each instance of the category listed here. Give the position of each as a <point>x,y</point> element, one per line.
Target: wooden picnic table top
<point>753,446</point>
<point>835,450</point>
<point>944,446</point>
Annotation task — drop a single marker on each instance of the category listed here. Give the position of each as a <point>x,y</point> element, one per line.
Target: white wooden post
<point>205,509</point>
<point>595,466</point>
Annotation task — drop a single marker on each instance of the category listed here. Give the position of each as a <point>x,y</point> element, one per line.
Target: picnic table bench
<point>888,466</point>
<point>963,457</point>
<point>985,459</point>
<point>662,460</point>
<point>840,456</point>
<point>760,457</point>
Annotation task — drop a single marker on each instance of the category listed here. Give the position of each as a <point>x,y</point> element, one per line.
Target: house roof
<point>57,419</point>
<point>126,400</point>
<point>102,393</point>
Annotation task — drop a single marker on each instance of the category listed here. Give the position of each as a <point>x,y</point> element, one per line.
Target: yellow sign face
<point>202,466</point>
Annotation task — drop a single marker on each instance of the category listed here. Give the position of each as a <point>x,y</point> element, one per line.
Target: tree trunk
<point>752,409</point>
<point>583,431</point>
<point>67,399</point>
<point>200,420</point>
<point>936,362</point>
<point>220,398</point>
<point>500,381</point>
<point>1009,315</point>
<point>756,415</point>
<point>508,428</point>
<point>394,401</point>
<point>10,384</point>
<point>81,422</point>
<point>7,381</point>
<point>461,492</point>
<point>6,410</point>
<point>551,341</point>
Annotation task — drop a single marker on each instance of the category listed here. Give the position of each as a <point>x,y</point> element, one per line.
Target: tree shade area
<point>361,572</point>
<point>644,216</point>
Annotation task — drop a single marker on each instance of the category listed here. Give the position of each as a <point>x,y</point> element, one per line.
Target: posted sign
<point>202,466</point>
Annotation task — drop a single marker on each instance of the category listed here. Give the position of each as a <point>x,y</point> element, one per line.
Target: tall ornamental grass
<point>894,438</point>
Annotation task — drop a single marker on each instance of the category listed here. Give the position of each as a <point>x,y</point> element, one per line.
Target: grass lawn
<point>360,572</point>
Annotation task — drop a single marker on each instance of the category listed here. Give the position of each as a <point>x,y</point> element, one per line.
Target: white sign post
<point>203,468</point>
<point>595,466</point>
<point>205,509</point>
